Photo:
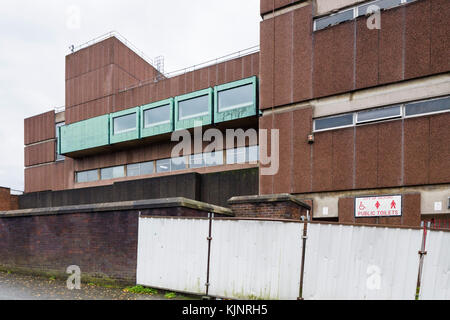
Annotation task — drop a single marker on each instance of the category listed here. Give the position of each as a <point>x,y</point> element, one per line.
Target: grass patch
<point>141,290</point>
<point>170,295</point>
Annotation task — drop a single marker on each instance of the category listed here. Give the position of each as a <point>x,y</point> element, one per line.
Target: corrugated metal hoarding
<point>172,254</point>
<point>261,259</point>
<point>255,259</point>
<point>435,282</point>
<point>360,262</point>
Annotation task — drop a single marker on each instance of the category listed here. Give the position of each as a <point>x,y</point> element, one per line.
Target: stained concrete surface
<point>24,287</point>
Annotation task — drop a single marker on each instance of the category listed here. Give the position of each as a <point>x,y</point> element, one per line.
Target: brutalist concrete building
<point>361,103</point>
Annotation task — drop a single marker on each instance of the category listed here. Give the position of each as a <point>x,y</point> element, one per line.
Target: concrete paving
<point>24,287</point>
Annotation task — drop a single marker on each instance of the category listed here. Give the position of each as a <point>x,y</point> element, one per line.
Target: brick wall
<point>101,239</point>
<point>8,201</point>
<point>102,244</point>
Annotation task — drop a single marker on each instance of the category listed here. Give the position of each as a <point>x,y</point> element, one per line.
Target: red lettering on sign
<point>377,204</point>
<point>393,205</point>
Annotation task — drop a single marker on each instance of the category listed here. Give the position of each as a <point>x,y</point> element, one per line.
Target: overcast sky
<point>35,37</point>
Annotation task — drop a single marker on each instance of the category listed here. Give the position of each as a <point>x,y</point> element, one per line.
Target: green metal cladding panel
<point>156,129</point>
<point>236,113</point>
<point>125,136</point>
<point>86,134</point>
<point>191,122</point>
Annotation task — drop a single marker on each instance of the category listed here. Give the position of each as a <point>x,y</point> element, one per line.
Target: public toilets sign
<point>378,206</point>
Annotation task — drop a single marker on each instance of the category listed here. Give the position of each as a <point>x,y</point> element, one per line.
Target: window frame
<point>356,14</point>
<point>232,113</point>
<point>334,116</point>
<point>126,135</point>
<point>160,127</point>
<point>112,168</point>
<point>357,122</point>
<point>86,171</point>
<point>190,122</point>
<point>427,113</point>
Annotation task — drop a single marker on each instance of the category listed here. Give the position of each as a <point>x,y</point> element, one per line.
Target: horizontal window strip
<point>201,160</point>
<point>407,110</point>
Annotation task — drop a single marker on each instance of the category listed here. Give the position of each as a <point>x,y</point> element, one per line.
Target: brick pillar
<point>275,206</point>
<point>8,201</point>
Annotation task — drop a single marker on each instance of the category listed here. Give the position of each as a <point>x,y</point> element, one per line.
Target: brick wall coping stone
<point>282,197</point>
<point>118,206</point>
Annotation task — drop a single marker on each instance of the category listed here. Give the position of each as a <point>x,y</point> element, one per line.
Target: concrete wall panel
<point>283,59</point>
<point>342,159</point>
<point>439,156</point>
<point>323,161</point>
<point>366,164</point>
<point>417,39</point>
<point>39,128</point>
<point>440,41</point>
<point>40,153</point>
<point>266,64</point>
<point>282,180</point>
<point>367,54</point>
<point>391,46</point>
<point>302,54</point>
<point>301,170</point>
<point>389,154</point>
<point>416,154</point>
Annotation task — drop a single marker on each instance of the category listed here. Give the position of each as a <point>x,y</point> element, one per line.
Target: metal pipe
<point>209,238</point>
<point>422,254</point>
<point>302,271</point>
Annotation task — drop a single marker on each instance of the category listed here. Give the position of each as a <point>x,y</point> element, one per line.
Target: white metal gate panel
<point>436,267</point>
<point>360,262</point>
<point>255,259</point>
<point>172,254</point>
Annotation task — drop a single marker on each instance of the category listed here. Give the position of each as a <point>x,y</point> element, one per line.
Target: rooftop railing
<point>228,57</point>
<point>108,35</point>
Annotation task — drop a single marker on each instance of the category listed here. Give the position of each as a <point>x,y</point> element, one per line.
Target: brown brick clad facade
<point>303,74</point>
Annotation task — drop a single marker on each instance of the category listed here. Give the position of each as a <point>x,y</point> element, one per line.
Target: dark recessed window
<point>333,122</point>
<point>125,123</point>
<point>157,116</point>
<point>234,98</point>
<point>379,114</point>
<point>194,107</point>
<point>58,156</point>
<point>382,4</point>
<point>163,165</point>
<point>331,20</point>
<point>87,176</point>
<point>430,106</point>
